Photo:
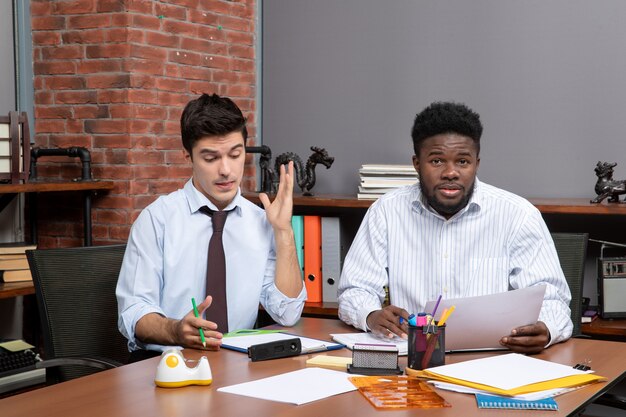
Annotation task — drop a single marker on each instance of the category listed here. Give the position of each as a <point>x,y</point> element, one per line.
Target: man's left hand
<point>279,211</point>
<point>527,339</point>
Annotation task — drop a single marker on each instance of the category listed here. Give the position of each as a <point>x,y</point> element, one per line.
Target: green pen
<point>195,312</point>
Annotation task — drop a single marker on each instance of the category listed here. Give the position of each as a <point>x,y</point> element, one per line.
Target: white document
<point>297,387</point>
<point>242,343</point>
<point>531,396</point>
<point>480,322</point>
<point>349,339</point>
<point>506,372</point>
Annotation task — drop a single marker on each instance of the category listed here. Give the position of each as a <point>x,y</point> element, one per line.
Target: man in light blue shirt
<point>451,235</point>
<point>165,263</point>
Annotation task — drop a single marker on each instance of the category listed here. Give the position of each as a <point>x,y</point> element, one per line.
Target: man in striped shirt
<point>453,235</point>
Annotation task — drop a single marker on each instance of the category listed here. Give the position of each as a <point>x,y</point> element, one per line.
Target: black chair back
<point>75,289</point>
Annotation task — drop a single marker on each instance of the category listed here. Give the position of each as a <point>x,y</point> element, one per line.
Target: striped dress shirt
<point>498,242</point>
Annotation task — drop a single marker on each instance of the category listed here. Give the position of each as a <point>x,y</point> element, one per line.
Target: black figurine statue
<point>304,178</point>
<point>606,186</point>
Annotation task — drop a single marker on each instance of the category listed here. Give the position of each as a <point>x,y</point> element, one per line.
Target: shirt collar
<point>474,205</point>
<point>196,199</point>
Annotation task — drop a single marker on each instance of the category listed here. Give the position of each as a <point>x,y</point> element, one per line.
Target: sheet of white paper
<point>297,387</point>
<point>506,371</point>
<point>308,345</point>
<point>349,339</point>
<point>528,397</point>
<point>480,322</point>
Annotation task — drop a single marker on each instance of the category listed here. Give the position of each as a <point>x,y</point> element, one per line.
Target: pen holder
<point>427,346</point>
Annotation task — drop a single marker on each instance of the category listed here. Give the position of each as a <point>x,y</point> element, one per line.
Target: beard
<point>443,208</point>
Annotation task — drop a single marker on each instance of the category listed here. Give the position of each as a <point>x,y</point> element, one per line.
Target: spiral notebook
<point>497,401</point>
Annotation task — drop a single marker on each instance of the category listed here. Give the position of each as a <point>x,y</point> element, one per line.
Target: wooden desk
<point>9,191</point>
<point>130,390</point>
<point>607,329</point>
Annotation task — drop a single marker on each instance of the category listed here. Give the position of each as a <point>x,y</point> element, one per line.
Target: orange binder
<point>313,258</point>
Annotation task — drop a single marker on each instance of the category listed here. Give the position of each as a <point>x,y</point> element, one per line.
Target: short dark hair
<point>210,115</point>
<point>446,117</point>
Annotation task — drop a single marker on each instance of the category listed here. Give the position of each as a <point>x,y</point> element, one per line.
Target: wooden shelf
<point>13,289</point>
<point>613,329</point>
<point>51,186</point>
<point>545,205</point>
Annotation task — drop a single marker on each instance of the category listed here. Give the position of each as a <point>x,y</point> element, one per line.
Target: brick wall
<point>113,76</point>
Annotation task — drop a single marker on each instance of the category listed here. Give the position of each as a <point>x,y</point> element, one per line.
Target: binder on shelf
<point>313,258</point>
<point>331,257</point>
<point>297,224</point>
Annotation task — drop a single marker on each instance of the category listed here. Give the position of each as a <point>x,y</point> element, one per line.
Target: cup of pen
<point>427,346</point>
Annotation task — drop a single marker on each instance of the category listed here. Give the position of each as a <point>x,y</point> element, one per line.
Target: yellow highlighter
<point>445,315</point>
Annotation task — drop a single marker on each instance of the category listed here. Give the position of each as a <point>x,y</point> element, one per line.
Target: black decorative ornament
<point>305,178</point>
<point>606,186</point>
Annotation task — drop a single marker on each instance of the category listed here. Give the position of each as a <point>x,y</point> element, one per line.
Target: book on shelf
<point>16,275</point>
<point>378,179</point>
<point>13,262</point>
<point>16,248</point>
<point>588,316</point>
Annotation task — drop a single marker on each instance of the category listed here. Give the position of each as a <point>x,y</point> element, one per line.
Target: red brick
<point>50,126</point>
<point>172,99</point>
<point>106,126</point>
<point>107,51</point>
<point>141,142</point>
<point>116,201</point>
<point>171,84</point>
<point>149,112</point>
<point>179,171</point>
<point>113,96</point>
<point>175,157</point>
<point>143,157</point>
<point>69,82</point>
<point>75,97</point>
<point>120,233</point>
<point>185,57</point>
<point>162,39</point>
<point>75,126</point>
<point>116,35</point>
<point>62,52</point>
<point>40,8</point>
<point>246,11</point>
<point>143,81</point>
<point>144,126</point>
<point>241,51</point>
<point>91,112</point>
<point>217,62</point>
<point>190,4</point>
<point>203,46</point>
<point>141,6</point>
<point>165,187</point>
<point>200,87</point>
<point>111,216</point>
<point>111,6</point>
<point>216,6</point>
<point>243,38</point>
<point>116,157</point>
<point>180,28</point>
<point>121,19</point>
<point>84,36</point>
<point>148,52</point>
<point>172,127</point>
<point>194,73</point>
<point>142,96</point>
<point>211,33</point>
<point>170,11</point>
<point>137,36</point>
<point>46,38</point>
<point>47,23</point>
<point>108,81</point>
<point>245,65</point>
<point>73,7</point>
<point>121,111</point>
<point>146,22</point>
<point>143,66</point>
<point>139,187</point>
<point>112,141</point>
<point>44,97</point>
<point>235,23</point>
<point>53,112</point>
<point>142,202</point>
<point>65,141</point>
<point>89,21</point>
<point>203,17</point>
<point>239,90</point>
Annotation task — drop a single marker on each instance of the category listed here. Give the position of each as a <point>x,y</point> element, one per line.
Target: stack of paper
<point>350,339</point>
<point>511,374</point>
<point>377,179</point>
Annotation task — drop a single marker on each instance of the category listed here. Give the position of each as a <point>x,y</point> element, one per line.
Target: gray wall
<point>548,78</point>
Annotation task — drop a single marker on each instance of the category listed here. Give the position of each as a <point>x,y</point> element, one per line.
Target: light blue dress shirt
<point>498,242</point>
<point>166,261</point>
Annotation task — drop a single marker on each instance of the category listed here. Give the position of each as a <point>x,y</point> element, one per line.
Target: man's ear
<point>416,163</point>
<point>187,156</point>
<point>477,162</point>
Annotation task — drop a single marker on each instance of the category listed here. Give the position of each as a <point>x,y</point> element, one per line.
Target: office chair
<point>572,251</point>
<point>75,290</point>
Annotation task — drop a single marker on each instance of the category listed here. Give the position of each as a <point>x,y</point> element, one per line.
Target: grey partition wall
<point>548,78</point>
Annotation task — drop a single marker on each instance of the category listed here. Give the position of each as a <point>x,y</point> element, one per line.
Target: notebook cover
<point>496,401</point>
<point>313,258</point>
